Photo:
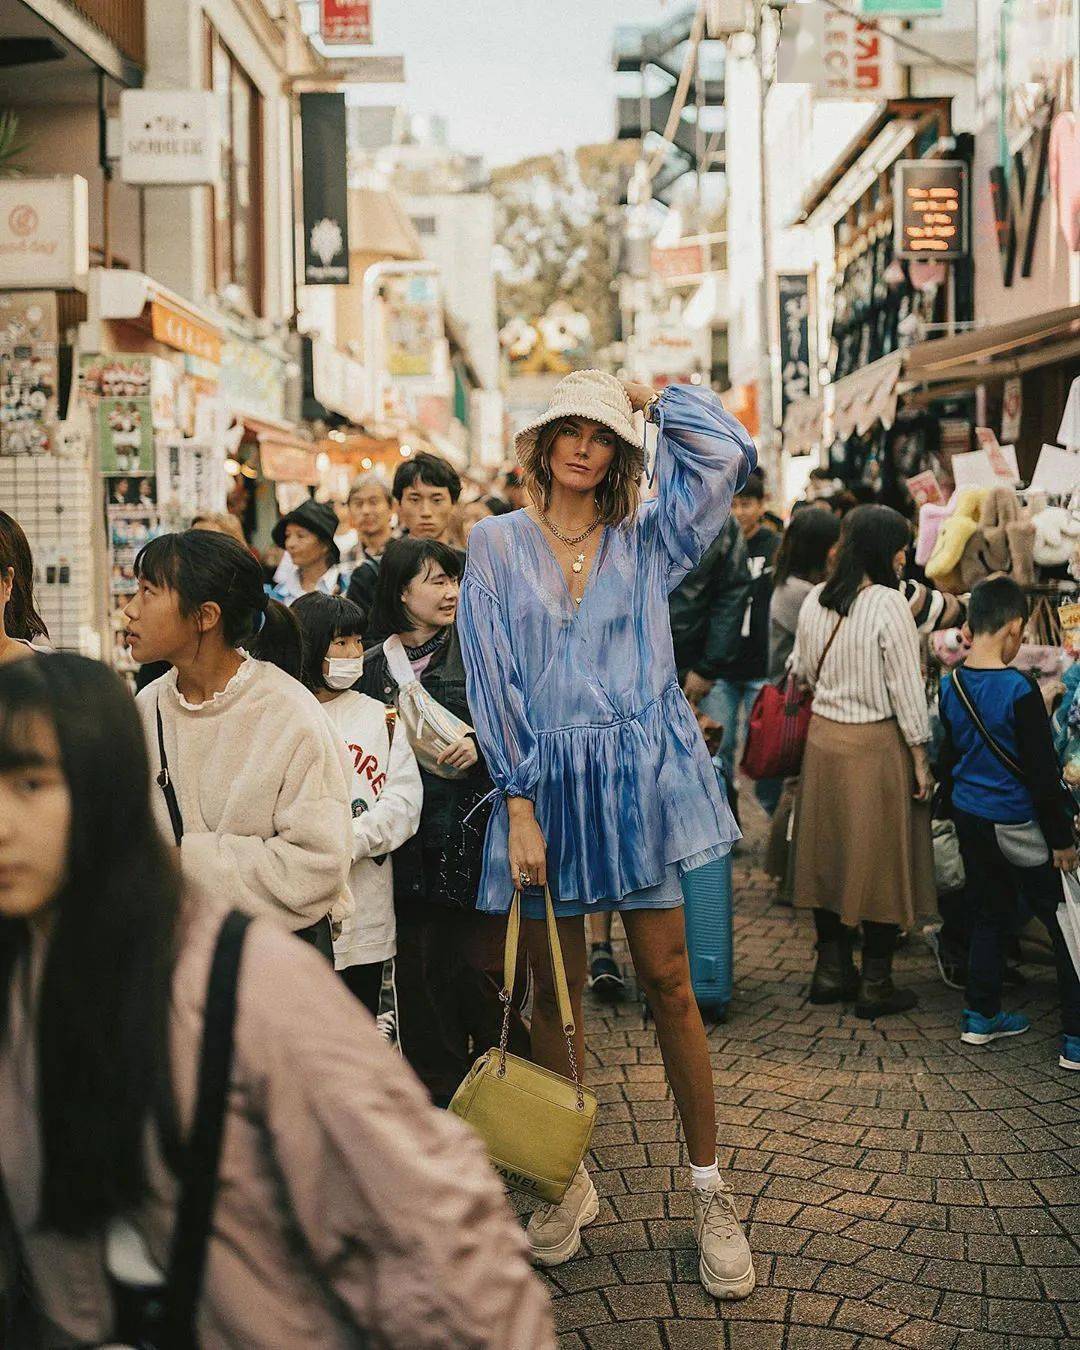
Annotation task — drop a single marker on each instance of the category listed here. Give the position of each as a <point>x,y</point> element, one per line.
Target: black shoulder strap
<point>164,782</point>
<point>202,1155</point>
<point>998,751</point>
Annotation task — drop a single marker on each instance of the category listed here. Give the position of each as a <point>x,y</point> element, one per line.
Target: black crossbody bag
<point>163,1316</point>
<point>318,934</point>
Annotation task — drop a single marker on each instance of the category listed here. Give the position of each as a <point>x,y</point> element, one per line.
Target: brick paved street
<point>901,1189</point>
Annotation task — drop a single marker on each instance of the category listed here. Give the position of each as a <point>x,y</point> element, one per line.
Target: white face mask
<point>343,671</point>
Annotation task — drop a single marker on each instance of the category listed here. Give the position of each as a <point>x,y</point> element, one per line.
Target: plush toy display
<point>931,516</point>
<point>1057,532</point>
<point>943,567</point>
<point>1003,541</point>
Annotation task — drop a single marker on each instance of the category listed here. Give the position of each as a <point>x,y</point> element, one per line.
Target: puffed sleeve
<point>493,680</point>
<point>703,457</point>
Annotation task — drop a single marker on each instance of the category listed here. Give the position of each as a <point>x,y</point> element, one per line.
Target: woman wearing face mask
<point>449,959</point>
<point>385,789</point>
<point>863,852</point>
<point>20,623</point>
<point>347,1212</point>
<point>259,776</point>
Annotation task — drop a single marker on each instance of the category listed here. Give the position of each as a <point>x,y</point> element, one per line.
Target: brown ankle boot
<point>878,996</point>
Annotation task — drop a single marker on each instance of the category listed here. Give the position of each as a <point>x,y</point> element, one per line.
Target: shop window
<point>235,205</point>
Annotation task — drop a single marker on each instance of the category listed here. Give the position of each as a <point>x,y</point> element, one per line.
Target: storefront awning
<point>866,397</point>
<point>284,456</point>
<point>803,426</point>
<point>995,352</point>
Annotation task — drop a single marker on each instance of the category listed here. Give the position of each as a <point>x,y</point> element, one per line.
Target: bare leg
<point>548,1041</point>
<point>657,939</point>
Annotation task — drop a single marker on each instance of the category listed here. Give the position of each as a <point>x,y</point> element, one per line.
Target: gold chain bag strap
<point>535,1124</point>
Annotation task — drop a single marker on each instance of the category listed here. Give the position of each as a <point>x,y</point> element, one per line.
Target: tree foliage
<point>558,236</point>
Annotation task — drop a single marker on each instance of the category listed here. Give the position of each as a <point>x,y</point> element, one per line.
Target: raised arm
<point>703,457</point>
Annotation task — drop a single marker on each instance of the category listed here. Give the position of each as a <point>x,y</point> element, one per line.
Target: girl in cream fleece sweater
<point>258,773</point>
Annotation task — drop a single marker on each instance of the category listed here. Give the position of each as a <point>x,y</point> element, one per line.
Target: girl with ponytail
<point>251,779</point>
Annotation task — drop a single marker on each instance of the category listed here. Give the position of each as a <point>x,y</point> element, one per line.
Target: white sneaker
<point>726,1267</point>
<point>555,1230</point>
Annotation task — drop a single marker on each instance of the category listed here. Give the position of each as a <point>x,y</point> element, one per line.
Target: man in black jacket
<point>707,610</point>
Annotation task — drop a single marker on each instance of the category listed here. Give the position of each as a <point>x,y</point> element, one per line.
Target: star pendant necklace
<point>571,541</point>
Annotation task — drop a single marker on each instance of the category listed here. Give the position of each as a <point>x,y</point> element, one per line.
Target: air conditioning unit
<point>726,17</point>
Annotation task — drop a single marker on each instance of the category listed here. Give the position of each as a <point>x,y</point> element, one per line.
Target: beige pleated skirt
<point>862,843</point>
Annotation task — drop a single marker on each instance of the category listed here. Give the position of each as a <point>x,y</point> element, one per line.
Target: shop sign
<point>931,215</point>
<point>677,263</point>
<point>796,374</point>
<point>183,332</point>
<point>1012,407</point>
<point>325,189</point>
<point>29,372</point>
<point>833,50</point>
<point>44,233</point>
<point>338,382</point>
<point>367,69</point>
<point>344,22</point>
<point>1017,199</point>
<point>412,325</point>
<point>902,9</point>
<point>284,462</point>
<point>169,136</point>
<point>251,379</point>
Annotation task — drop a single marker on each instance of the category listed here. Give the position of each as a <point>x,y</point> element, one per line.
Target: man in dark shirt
<point>738,678</point>
<point>426,490</point>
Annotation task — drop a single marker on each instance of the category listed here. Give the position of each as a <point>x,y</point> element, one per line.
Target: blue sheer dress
<point>578,707</point>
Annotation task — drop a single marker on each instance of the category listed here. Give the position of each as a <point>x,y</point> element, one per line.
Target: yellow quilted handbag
<point>535,1124</point>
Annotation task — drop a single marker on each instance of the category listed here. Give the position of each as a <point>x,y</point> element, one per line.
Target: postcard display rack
<point>46,482</point>
<point>139,454</point>
<point>154,432</point>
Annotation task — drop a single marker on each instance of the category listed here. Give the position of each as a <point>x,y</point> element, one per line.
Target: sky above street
<point>512,77</point>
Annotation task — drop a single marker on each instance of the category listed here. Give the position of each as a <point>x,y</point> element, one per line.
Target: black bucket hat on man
<point>318,517</point>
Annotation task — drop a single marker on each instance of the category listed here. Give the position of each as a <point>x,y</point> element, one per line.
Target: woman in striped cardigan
<point>862,846</point>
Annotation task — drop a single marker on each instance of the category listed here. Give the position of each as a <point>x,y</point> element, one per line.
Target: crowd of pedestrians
<point>436,711</point>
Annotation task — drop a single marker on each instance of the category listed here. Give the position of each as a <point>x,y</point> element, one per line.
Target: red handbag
<point>779,722</point>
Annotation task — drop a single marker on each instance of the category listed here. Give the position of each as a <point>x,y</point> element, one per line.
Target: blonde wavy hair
<point>617,497</point>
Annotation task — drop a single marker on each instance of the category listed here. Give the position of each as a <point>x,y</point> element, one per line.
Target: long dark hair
<point>21,619</point>
<point>804,549</point>
<point>201,566</point>
<point>322,618</point>
<point>870,538</point>
<point>404,560</point>
<point>102,1033</point>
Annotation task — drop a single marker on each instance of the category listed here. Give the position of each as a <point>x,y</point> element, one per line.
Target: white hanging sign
<point>169,137</point>
<point>44,233</point>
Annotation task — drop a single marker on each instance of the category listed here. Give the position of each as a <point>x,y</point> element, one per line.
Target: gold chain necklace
<point>570,541</point>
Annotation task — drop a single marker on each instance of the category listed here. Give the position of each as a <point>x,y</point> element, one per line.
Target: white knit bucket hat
<point>593,394</point>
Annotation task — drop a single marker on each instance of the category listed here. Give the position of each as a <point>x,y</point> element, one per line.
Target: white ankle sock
<point>703,1178</point>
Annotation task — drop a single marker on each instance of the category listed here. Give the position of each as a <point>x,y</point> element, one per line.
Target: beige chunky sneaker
<point>555,1230</point>
<point>726,1267</point>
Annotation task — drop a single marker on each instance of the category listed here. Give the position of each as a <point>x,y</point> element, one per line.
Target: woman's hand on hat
<point>638,394</point>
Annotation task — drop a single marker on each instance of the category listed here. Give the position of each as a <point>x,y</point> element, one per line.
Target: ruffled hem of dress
<point>619,805</point>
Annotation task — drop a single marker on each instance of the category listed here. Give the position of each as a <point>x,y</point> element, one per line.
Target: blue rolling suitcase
<point>707,895</point>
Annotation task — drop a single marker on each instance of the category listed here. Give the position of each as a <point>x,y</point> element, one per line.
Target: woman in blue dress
<point>607,793</point>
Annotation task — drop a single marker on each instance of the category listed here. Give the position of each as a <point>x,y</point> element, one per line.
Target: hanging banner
<point>325,189</point>
<point>838,54</point>
<point>931,215</point>
<point>796,373</point>
<point>345,22</point>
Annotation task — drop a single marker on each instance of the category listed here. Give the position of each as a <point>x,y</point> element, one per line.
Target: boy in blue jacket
<point>1013,817</point>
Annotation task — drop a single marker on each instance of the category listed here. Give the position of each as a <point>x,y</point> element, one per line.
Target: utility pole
<point>768,438</point>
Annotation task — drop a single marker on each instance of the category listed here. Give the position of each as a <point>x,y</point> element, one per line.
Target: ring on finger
<point>525,878</point>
